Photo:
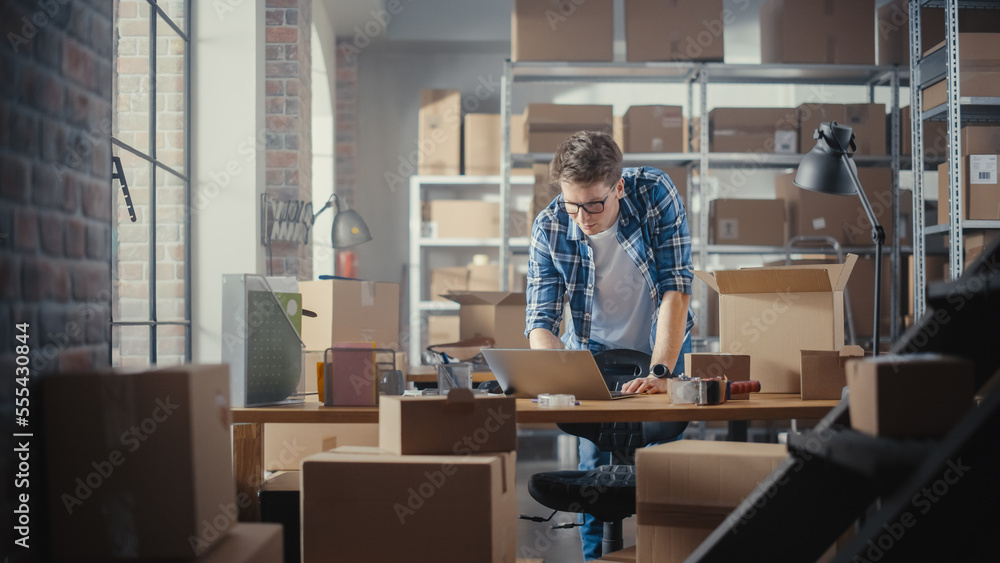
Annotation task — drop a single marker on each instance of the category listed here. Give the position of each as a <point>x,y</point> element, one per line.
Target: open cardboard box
<point>774,313</point>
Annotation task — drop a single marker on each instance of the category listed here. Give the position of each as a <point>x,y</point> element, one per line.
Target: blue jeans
<point>592,531</point>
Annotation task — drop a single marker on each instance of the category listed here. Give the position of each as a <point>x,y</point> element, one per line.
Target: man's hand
<point>646,385</point>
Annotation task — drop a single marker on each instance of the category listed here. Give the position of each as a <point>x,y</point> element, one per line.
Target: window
<point>151,296</point>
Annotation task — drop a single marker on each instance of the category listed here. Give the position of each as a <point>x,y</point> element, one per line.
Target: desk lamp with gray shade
<point>349,229</point>
<point>829,169</point>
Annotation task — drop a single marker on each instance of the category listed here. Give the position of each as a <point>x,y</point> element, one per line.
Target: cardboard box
<point>482,143</point>
<point>452,425</point>
<point>674,30</point>
<point>773,325</point>
<point>350,311</point>
<point>746,221</point>
<point>917,396</point>
<point>446,280</point>
<point>464,218</point>
<point>553,30</point>
<point>979,69</point>
<point>841,32</point>
<point>894,26</point>
<point>936,270</point>
<point>679,176</point>
<point>408,500</point>
<point>823,375</point>
<point>442,329</point>
<point>654,129</point>
<point>976,242</point>
<point>548,125</point>
<point>707,481</point>
<point>981,198</point>
<point>146,467</point>
<point>734,367</point>
<point>246,542</point>
<point>935,136</point>
<point>440,129</point>
<point>754,130</point>
<point>544,192</point>
<point>495,314</point>
<point>868,122</point>
<point>861,297</point>
<point>287,444</point>
<point>842,217</point>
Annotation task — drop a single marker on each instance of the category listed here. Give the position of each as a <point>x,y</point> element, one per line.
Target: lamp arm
<point>878,237</point>
<point>334,202</point>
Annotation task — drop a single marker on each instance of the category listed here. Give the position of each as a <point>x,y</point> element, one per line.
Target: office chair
<point>606,492</point>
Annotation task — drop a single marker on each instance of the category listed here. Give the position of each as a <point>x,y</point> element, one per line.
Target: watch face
<point>660,371</point>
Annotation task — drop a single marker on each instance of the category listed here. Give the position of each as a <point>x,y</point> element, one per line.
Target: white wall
<point>227,158</point>
<point>322,144</point>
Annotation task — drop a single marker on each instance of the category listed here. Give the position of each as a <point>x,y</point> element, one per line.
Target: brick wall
<point>346,122</point>
<point>289,118</point>
<point>55,190</point>
<point>133,105</point>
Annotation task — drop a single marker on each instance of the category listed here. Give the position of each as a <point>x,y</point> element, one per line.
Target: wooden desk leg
<point>248,464</point>
<point>738,430</point>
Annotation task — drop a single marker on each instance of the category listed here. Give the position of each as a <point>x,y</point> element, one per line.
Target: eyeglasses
<point>591,207</point>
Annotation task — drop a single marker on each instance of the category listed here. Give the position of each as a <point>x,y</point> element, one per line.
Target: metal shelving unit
<point>702,75</point>
<point>420,188</point>
<point>942,64</point>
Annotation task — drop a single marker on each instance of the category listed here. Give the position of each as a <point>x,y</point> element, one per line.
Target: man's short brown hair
<point>585,158</point>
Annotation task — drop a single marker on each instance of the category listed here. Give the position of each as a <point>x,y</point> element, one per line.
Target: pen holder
<point>454,376</point>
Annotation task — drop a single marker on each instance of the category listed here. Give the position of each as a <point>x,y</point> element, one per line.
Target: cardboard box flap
<point>838,274</point>
<point>777,280</point>
<point>708,278</point>
<point>488,298</point>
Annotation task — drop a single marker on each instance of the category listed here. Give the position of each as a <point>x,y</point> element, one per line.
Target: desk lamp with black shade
<point>349,229</point>
<point>829,169</point>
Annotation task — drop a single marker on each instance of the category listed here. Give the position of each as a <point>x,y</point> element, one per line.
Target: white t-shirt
<point>623,311</point>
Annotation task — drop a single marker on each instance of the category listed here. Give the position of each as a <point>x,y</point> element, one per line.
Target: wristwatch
<point>660,371</point>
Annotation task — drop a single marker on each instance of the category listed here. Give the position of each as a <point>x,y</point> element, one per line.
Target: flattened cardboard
<point>170,425</point>
<point>773,313</point>
<point>686,488</point>
<point>495,314</point>
<point>350,311</point>
<point>916,396</point>
<point>346,495</point>
<point>453,425</point>
<point>823,375</point>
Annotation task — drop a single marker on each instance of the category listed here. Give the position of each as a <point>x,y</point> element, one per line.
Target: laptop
<point>529,373</point>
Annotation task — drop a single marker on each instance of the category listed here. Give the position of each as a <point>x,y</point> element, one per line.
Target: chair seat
<point>607,492</point>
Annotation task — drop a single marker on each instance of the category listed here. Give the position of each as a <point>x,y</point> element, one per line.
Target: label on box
<point>785,141</point>
<point>429,229</point>
<point>657,144</point>
<point>983,169</point>
<point>819,223</point>
<point>729,229</point>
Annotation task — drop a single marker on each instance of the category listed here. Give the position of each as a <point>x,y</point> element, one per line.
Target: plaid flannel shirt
<point>653,230</point>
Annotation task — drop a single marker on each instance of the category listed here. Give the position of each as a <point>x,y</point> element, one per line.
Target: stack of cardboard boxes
<point>441,482</point>
<point>796,31</point>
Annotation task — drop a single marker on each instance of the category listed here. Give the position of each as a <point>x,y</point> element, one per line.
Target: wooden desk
<point>248,424</point>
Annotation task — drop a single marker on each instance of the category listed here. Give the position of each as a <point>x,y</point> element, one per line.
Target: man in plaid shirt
<point>615,243</point>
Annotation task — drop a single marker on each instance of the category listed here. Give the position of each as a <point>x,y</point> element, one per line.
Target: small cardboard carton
<point>350,311</point>
<point>548,125</point>
<point>762,130</point>
<point>841,32</point>
<point>867,121</point>
<point>440,126</point>
<point>653,129</point>
<point>734,367</point>
<point>980,188</point>
<point>247,542</point>
<point>823,375</point>
<point>464,218</point>
<point>458,424</point>
<point>916,396</point>
<point>287,444</point>
<point>774,313</point>
<point>747,222</point>
<point>482,143</point>
<point>495,314</point>
<point>347,493</point>
<point>553,30</point>
<point>442,329</point>
<point>685,489</point>
<point>146,471</point>
<point>979,75</point>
